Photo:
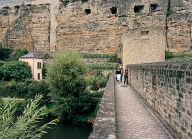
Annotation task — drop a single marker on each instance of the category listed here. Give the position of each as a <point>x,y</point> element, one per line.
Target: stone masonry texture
<point>104,126</point>
<point>126,27</point>
<point>167,88</point>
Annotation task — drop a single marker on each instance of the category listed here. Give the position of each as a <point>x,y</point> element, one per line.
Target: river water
<point>68,131</point>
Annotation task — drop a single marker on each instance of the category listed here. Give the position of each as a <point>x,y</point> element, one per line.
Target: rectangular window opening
<point>138,8</point>
<point>154,7</point>
<point>144,34</point>
<point>38,65</point>
<point>38,76</point>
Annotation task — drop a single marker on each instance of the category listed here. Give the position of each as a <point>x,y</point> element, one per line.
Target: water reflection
<point>67,131</point>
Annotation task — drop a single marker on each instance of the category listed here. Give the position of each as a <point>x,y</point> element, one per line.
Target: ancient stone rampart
<point>131,28</point>
<point>167,88</point>
<point>104,126</point>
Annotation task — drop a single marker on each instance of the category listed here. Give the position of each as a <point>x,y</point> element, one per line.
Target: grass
<point>177,56</point>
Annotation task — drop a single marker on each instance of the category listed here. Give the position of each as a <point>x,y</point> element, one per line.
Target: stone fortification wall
<point>104,126</point>
<point>145,37</point>
<point>89,27</point>
<point>167,89</point>
<point>26,27</point>
<point>179,23</point>
<point>130,28</point>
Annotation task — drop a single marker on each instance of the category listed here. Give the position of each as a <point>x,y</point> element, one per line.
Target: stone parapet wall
<point>104,126</point>
<point>167,88</point>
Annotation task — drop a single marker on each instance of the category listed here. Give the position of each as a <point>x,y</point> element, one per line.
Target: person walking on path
<point>118,75</point>
<point>126,76</point>
<point>121,73</point>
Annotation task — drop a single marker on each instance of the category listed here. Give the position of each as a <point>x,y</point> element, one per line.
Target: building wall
<point>144,45</point>
<point>167,89</point>
<point>32,62</point>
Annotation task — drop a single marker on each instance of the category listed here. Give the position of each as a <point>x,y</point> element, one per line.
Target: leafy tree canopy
<point>4,52</point>
<point>16,70</point>
<point>18,53</point>
<point>66,80</point>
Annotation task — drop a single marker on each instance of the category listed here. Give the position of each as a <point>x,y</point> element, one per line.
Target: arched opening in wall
<point>114,10</point>
<point>154,7</point>
<point>138,8</point>
<point>5,11</point>
<point>87,11</point>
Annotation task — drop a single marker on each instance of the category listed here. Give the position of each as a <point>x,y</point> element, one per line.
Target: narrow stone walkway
<point>134,120</point>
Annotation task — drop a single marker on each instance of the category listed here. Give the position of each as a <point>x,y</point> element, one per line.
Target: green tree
<point>18,53</point>
<point>16,70</point>
<point>4,52</point>
<point>26,125</point>
<point>66,80</point>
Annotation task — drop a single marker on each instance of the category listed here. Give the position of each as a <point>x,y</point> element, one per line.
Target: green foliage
<point>98,81</point>
<point>16,70</point>
<point>87,104</point>
<point>169,13</point>
<point>181,55</point>
<point>28,89</point>
<point>84,1</point>
<point>44,70</point>
<point>106,66</point>
<point>26,125</point>
<point>1,63</point>
<point>65,2</point>
<point>40,87</point>
<point>18,53</point>
<point>66,81</point>
<point>4,52</point>
<point>168,55</point>
<point>84,55</point>
<point>113,57</point>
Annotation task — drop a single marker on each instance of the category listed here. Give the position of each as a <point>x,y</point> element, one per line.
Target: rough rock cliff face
<point>91,27</point>
<point>136,29</point>
<point>179,24</point>
<point>26,27</point>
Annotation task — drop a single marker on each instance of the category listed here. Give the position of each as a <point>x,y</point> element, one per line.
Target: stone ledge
<point>104,126</point>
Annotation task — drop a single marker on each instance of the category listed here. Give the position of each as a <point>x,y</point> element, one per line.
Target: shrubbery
<point>4,52</point>
<point>28,89</point>
<point>15,70</point>
<point>97,81</point>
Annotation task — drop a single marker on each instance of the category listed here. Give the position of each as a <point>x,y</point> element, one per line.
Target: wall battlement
<point>166,86</point>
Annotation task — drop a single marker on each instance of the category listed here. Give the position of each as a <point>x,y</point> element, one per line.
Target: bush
<point>18,53</point>
<point>28,89</point>
<point>168,55</point>
<point>4,52</point>
<point>16,70</point>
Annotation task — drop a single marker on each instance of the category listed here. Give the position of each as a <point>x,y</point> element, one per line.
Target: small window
<point>154,7</point>
<point>113,10</point>
<point>144,35</point>
<point>138,8</point>
<point>38,76</point>
<point>87,11</point>
<point>38,65</point>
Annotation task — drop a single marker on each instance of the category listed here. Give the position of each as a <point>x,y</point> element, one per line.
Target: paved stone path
<point>134,119</point>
